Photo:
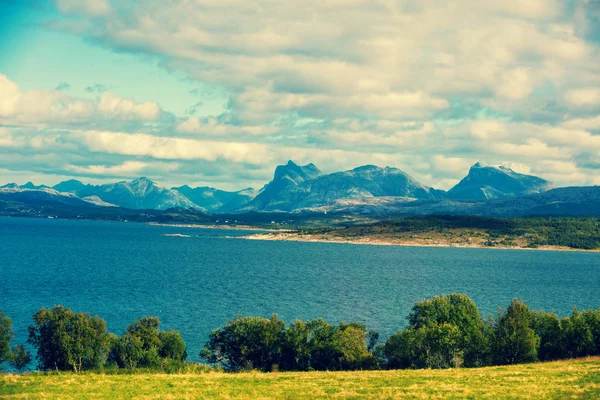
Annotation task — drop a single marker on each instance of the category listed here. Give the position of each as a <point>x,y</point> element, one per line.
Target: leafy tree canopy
<point>66,340</point>
<point>6,335</point>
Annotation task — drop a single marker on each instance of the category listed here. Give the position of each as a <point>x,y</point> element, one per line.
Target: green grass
<point>563,379</point>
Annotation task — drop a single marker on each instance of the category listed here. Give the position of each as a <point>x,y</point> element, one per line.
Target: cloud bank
<point>427,87</point>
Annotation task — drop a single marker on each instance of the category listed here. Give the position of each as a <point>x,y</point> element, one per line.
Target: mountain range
<point>485,190</point>
<point>141,193</point>
<point>487,182</point>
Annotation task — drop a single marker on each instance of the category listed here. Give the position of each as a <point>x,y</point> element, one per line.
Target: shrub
<point>460,311</point>
<point>66,340</point>
<point>246,343</point>
<point>428,346</point>
<point>592,319</point>
<point>577,338</point>
<point>548,327</point>
<point>6,335</point>
<point>20,358</point>
<point>514,341</point>
<point>143,345</point>
<point>172,346</point>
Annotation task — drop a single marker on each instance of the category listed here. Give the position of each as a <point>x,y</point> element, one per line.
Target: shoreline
<point>214,226</point>
<point>365,240</point>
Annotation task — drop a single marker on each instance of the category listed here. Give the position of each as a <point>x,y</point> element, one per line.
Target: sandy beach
<point>373,241</point>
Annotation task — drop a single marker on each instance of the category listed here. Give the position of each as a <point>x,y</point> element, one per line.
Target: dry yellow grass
<point>563,379</point>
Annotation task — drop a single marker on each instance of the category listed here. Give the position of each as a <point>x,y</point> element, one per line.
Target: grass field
<point>563,379</point>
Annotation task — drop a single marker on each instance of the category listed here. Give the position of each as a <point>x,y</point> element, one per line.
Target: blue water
<point>123,271</point>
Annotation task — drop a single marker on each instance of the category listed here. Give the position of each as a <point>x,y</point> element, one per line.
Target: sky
<point>219,92</point>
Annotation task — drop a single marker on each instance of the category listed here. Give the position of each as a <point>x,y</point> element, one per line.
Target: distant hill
<point>30,185</point>
<point>286,178</point>
<point>486,190</point>
<point>295,188</point>
<point>574,200</point>
<point>141,193</point>
<point>38,198</point>
<point>70,186</point>
<point>215,200</point>
<point>489,182</point>
<point>10,185</point>
<point>568,201</point>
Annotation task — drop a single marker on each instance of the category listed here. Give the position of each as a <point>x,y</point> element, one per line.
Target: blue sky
<point>218,93</point>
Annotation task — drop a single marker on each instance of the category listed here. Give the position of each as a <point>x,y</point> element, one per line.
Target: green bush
<point>592,319</point>
<point>172,346</point>
<point>428,346</point>
<point>246,343</point>
<point>143,345</point>
<point>20,357</point>
<point>577,338</point>
<point>514,341</point>
<point>460,311</point>
<point>443,332</point>
<point>548,327</point>
<point>6,335</point>
<point>66,340</point>
<point>260,343</point>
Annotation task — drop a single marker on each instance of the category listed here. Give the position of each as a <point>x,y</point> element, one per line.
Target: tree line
<point>443,332</point>
<point>573,232</point>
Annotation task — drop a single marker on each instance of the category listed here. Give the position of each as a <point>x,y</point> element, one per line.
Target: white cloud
<point>171,148</point>
<point>111,106</point>
<point>84,7</point>
<point>584,123</point>
<point>212,127</point>
<point>515,84</point>
<point>583,97</point>
<point>339,83</point>
<point>453,166</point>
<point>9,95</point>
<point>6,139</point>
<point>129,168</point>
<point>382,59</point>
<point>54,108</point>
<point>534,9</point>
<point>489,129</point>
<point>580,139</point>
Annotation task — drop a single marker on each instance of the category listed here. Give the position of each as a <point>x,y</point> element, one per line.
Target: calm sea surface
<point>123,271</point>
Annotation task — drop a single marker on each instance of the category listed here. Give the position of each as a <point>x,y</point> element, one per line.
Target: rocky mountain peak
<point>295,173</point>
<point>492,182</point>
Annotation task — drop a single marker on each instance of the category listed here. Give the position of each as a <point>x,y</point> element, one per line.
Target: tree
<point>6,335</point>
<point>172,346</point>
<point>324,354</point>
<point>429,346</point>
<point>458,310</point>
<point>318,345</point>
<point>143,345</point>
<point>145,334</point>
<point>66,340</point>
<point>577,338</point>
<point>592,319</point>
<point>401,350</point>
<point>246,343</point>
<point>21,357</point>
<point>547,326</point>
<point>296,347</point>
<point>350,343</point>
<point>372,339</point>
<point>514,341</point>
<point>126,351</point>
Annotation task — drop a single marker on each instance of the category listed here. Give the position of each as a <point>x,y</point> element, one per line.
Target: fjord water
<point>123,271</point>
